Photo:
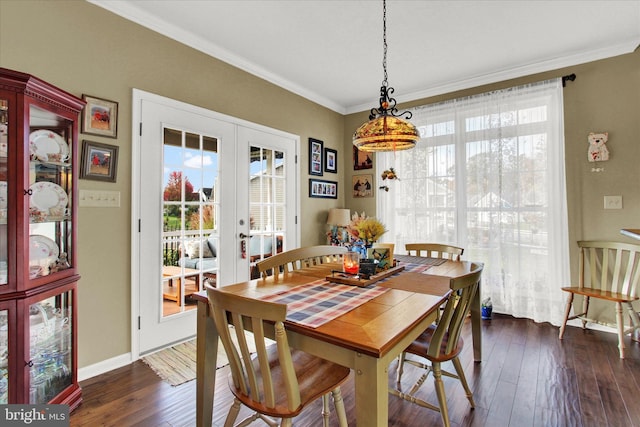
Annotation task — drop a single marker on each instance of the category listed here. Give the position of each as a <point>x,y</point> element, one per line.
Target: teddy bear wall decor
<point>598,151</point>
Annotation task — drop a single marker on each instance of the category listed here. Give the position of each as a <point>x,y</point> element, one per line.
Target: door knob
<point>243,236</point>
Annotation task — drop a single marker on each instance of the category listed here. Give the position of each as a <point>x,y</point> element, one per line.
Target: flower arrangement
<point>365,229</point>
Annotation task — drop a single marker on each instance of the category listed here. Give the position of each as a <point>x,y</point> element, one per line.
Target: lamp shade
<point>340,217</point>
<point>386,133</point>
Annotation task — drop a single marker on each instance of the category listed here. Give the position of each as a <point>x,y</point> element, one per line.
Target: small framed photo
<point>330,160</point>
<point>362,185</point>
<point>362,159</point>
<point>100,117</point>
<point>99,162</point>
<point>323,189</point>
<point>315,156</point>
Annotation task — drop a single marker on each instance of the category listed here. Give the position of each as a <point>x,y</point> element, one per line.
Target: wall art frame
<point>99,162</point>
<point>315,156</point>
<point>362,159</point>
<point>100,117</point>
<point>330,160</point>
<point>362,185</point>
<point>323,189</point>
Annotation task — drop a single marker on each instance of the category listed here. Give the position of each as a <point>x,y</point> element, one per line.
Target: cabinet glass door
<point>4,356</point>
<point>4,175</point>
<point>50,192</point>
<point>51,352</point>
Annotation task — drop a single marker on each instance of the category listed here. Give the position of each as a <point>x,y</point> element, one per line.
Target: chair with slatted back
<point>435,250</point>
<point>442,342</point>
<point>278,382</point>
<point>300,258</point>
<point>608,271</point>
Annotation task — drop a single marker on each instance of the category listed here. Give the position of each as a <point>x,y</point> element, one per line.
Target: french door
<point>212,196</point>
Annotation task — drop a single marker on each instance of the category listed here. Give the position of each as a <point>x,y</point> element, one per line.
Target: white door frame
<point>137,97</point>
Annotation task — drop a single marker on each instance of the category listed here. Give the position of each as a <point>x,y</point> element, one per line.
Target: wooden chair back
<point>435,250</point>
<point>253,379</point>
<point>609,266</point>
<point>300,258</point>
<point>444,341</point>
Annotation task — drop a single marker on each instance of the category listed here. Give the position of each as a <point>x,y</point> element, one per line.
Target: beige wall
<point>83,49</point>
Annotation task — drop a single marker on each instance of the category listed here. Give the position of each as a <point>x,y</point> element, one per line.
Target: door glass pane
<point>51,347</point>
<point>4,176</point>
<point>267,199</point>
<point>190,209</point>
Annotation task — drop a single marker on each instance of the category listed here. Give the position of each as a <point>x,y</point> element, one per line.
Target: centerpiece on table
<point>364,231</point>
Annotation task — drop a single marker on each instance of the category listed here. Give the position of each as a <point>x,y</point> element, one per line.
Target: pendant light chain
<point>384,42</point>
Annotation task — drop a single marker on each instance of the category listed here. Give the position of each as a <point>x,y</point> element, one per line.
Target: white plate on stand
<point>48,197</point>
<point>43,143</point>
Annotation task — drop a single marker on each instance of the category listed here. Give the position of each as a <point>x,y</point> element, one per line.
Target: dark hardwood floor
<point>527,378</point>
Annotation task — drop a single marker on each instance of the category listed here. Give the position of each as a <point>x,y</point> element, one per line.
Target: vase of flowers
<point>364,231</point>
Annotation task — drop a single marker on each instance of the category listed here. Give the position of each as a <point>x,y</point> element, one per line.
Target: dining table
<point>365,329</point>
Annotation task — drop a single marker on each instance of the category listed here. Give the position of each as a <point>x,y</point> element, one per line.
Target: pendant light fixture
<point>386,130</point>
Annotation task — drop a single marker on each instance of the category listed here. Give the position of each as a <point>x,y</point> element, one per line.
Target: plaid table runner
<point>419,264</point>
<point>318,302</point>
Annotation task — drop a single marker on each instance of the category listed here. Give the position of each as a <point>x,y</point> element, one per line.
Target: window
<point>488,175</point>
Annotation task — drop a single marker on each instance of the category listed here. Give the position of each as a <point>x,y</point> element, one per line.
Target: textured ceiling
<point>330,51</point>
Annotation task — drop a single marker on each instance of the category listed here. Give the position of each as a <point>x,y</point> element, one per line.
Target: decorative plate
<point>3,194</point>
<point>46,195</point>
<point>42,248</point>
<point>43,143</point>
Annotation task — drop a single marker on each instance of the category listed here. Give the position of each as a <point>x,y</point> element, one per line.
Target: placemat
<point>315,303</point>
<point>418,264</point>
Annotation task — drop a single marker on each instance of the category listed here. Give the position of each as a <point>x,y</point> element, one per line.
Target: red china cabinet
<point>38,216</point>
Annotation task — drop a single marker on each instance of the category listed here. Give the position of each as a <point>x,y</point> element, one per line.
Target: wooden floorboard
<point>528,377</point>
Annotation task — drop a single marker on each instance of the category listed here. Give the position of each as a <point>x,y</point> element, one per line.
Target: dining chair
<point>435,250</point>
<point>295,259</point>
<point>609,271</point>
<point>278,382</point>
<point>441,342</point>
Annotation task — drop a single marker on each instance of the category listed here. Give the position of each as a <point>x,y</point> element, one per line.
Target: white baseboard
<point>104,366</point>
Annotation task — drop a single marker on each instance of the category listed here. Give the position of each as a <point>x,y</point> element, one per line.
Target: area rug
<point>177,365</point>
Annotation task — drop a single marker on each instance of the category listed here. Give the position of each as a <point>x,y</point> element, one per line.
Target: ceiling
<point>330,51</point>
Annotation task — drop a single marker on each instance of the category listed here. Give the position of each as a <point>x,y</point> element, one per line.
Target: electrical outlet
<point>613,202</point>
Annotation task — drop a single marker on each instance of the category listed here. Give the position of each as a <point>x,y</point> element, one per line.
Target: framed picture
<point>99,162</point>
<point>362,159</point>
<point>315,156</point>
<point>323,189</point>
<point>330,160</point>
<point>100,117</point>
<point>362,185</point>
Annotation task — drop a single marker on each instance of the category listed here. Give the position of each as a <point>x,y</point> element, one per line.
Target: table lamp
<point>338,219</point>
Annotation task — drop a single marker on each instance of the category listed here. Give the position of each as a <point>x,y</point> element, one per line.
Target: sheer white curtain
<point>489,175</point>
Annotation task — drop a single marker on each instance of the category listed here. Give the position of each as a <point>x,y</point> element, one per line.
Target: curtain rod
<point>570,77</point>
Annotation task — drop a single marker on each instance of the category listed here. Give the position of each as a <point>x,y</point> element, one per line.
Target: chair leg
<point>463,380</point>
<point>400,367</point>
<point>325,410</point>
<point>620,322</point>
<point>585,310</point>
<point>339,404</point>
<point>442,398</point>
<point>233,413</point>
<point>567,311</point>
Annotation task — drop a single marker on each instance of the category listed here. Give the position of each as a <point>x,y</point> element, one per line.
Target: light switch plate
<point>613,202</point>
<point>99,199</point>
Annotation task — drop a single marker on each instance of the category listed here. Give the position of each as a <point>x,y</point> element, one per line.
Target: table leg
<point>476,327</point>
<point>206,359</point>
<point>372,391</point>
